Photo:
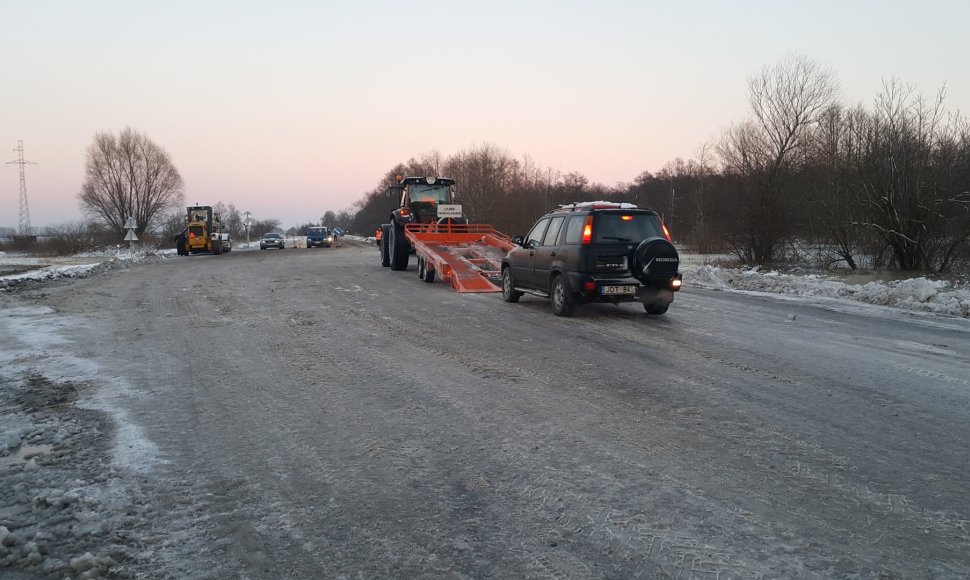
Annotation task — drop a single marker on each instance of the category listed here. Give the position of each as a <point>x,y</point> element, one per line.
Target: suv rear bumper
<point>590,288</point>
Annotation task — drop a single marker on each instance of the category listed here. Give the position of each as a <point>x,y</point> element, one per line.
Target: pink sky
<point>297,109</point>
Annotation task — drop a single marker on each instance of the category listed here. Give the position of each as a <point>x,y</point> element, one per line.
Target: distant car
<point>272,240</point>
<point>319,236</point>
<point>226,241</point>
<point>594,252</point>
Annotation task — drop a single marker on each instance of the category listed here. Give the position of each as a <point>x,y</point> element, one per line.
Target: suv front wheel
<point>509,293</point>
<point>561,299</point>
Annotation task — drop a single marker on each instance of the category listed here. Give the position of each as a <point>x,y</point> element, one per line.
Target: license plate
<point>608,290</point>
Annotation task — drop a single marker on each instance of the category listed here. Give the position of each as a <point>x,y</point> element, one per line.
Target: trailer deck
<point>467,256</point>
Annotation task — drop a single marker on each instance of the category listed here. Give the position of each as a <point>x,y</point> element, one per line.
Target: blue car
<point>319,236</point>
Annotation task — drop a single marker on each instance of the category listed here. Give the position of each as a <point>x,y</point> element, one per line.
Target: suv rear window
<point>625,227</point>
<point>574,229</point>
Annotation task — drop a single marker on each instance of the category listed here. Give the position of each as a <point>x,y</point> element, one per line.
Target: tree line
<point>804,177</point>
<point>885,185</point>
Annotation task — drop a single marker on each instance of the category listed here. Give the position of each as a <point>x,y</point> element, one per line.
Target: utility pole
<point>670,222</point>
<point>24,212</point>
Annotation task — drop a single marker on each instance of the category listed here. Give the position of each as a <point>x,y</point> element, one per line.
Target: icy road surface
<point>309,414</point>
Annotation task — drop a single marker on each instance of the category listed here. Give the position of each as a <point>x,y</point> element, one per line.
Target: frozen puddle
<point>43,350</point>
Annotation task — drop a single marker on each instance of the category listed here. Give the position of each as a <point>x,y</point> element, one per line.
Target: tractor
<point>430,224</point>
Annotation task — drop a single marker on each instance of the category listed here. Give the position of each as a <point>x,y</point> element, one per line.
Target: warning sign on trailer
<point>447,210</point>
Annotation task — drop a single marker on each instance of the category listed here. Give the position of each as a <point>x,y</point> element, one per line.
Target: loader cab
<point>199,213</point>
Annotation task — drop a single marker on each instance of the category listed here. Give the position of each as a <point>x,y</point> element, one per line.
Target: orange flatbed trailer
<point>467,256</point>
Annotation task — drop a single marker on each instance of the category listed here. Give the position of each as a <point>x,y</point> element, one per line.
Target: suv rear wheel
<point>561,299</point>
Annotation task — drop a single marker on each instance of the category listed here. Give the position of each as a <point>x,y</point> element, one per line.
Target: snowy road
<point>308,414</point>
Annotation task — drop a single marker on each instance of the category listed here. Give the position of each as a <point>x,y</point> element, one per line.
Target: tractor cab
<point>422,198</point>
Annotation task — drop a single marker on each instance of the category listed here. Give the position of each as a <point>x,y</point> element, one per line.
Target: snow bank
<point>98,262</point>
<point>921,294</point>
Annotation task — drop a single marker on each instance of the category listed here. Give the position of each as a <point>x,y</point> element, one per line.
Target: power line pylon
<point>24,211</point>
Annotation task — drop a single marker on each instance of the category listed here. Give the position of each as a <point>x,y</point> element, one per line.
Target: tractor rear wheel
<point>400,248</point>
<point>384,243</point>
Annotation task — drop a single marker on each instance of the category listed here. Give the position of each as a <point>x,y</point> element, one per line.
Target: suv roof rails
<point>597,205</point>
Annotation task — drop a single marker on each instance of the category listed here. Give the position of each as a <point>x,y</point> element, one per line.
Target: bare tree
<point>67,239</point>
<point>912,178</point>
<point>232,221</point>
<point>766,153</point>
<point>260,227</point>
<point>171,224</point>
<point>832,208</point>
<point>483,174</point>
<point>343,220</point>
<point>128,175</point>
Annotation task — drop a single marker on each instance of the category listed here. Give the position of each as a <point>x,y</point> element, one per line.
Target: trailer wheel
<point>400,249</point>
<point>424,272</point>
<point>383,243</point>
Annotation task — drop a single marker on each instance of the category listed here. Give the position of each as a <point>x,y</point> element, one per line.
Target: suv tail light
<point>666,231</point>
<point>588,230</point>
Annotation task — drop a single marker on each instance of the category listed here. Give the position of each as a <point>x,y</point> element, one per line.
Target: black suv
<point>594,252</point>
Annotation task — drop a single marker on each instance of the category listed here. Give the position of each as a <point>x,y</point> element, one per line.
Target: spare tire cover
<point>654,257</point>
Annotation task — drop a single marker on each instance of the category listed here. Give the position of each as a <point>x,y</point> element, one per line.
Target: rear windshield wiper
<point>617,238</point>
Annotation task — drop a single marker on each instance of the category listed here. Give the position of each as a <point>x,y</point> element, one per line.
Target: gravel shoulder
<point>306,413</point>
